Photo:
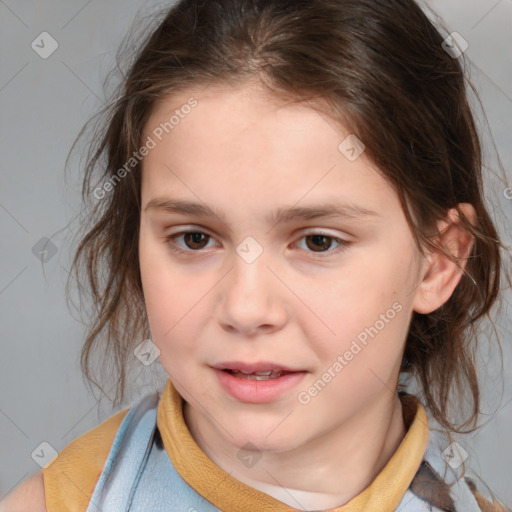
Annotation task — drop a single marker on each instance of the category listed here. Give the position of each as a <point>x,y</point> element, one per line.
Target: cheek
<point>357,296</point>
<point>365,315</point>
<point>165,287</point>
<point>170,298</point>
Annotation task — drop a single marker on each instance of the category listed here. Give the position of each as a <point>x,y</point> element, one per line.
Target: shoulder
<point>67,483</point>
<point>29,495</point>
<point>77,466</point>
<point>70,478</point>
<point>446,480</point>
<point>483,495</point>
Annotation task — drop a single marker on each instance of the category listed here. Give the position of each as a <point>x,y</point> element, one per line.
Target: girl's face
<point>265,245</point>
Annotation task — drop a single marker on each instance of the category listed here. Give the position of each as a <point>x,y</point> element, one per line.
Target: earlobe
<point>441,275</point>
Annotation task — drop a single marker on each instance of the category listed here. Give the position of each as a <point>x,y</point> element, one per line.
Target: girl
<point>291,216</point>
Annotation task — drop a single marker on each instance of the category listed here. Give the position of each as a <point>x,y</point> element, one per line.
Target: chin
<point>248,437</point>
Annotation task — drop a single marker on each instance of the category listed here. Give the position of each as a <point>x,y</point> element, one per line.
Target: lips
<point>259,382</point>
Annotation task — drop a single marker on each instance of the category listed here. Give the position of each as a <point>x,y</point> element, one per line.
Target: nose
<point>252,300</point>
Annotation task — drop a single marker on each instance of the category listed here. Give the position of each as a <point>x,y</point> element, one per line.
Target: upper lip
<point>260,366</point>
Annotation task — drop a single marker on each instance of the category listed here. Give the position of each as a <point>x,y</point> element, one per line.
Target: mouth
<point>258,382</point>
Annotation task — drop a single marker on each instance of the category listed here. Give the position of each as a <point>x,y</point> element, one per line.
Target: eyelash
<point>170,242</point>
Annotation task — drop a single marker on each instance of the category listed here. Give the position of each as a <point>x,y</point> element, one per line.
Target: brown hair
<point>382,69</point>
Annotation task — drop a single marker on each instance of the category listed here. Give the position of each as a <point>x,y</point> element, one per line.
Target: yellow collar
<point>229,495</point>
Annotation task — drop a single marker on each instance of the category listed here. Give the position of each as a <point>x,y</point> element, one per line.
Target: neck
<point>324,473</point>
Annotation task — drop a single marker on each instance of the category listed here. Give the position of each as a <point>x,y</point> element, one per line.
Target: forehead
<point>236,109</point>
<point>247,141</point>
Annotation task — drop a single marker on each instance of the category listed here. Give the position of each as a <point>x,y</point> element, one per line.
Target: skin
<point>29,495</point>
<point>245,153</point>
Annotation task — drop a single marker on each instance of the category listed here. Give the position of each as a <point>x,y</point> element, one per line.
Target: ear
<point>441,275</point>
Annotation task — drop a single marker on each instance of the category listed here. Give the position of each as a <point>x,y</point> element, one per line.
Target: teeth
<point>266,375</point>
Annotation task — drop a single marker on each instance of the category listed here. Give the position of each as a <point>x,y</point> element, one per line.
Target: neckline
<point>230,495</point>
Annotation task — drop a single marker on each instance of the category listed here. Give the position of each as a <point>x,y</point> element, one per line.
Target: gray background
<point>43,105</point>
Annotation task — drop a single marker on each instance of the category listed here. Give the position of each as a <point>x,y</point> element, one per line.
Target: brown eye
<point>195,240</point>
<point>323,245</point>
<point>319,243</point>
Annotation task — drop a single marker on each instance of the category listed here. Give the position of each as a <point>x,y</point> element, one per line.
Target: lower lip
<point>258,391</point>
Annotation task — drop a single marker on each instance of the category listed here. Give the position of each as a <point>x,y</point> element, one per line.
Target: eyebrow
<point>350,211</point>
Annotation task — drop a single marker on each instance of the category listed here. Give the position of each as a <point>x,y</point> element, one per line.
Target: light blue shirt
<point>138,475</point>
